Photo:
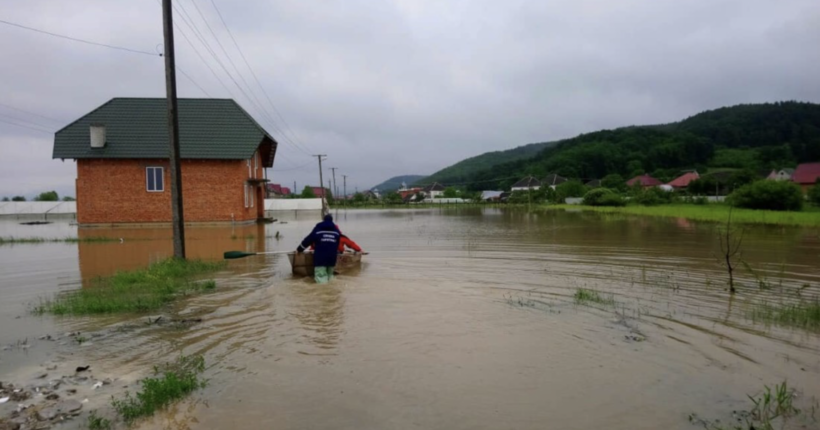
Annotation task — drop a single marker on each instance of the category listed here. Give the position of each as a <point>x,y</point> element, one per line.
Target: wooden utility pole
<point>178,221</point>
<point>322,183</point>
<point>335,190</point>
<point>344,182</point>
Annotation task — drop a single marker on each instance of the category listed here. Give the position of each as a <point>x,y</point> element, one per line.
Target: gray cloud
<point>406,86</point>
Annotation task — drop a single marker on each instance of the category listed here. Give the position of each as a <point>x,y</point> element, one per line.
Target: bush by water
<point>766,194</point>
<point>603,197</point>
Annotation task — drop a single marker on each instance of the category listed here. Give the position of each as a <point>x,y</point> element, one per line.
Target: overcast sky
<point>394,87</point>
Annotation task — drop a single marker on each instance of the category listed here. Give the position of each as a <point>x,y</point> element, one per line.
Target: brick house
<point>121,150</point>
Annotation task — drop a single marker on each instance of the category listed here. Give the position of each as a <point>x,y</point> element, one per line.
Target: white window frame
<point>152,169</point>
<point>249,168</point>
<point>255,163</point>
<point>246,195</point>
<point>252,191</point>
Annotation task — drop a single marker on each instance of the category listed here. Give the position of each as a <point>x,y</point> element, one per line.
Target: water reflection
<point>319,311</point>
<point>133,248</point>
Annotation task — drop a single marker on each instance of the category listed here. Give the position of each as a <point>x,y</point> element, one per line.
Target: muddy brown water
<point>458,319</point>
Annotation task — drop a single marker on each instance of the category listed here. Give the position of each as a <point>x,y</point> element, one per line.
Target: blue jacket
<point>325,237</point>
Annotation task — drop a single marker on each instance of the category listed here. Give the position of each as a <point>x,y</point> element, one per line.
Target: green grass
<point>139,290</point>
<point>96,422</point>
<point>10,240</point>
<point>809,217</point>
<point>805,314</point>
<point>170,383</point>
<point>583,296</point>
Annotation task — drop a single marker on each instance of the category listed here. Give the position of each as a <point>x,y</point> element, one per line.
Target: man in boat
<point>325,238</point>
<point>345,242</point>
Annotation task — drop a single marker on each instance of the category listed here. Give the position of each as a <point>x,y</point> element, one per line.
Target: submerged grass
<point>804,314</point>
<point>170,382</point>
<point>774,408</point>
<point>10,240</point>
<point>809,217</point>
<point>584,296</point>
<point>134,291</point>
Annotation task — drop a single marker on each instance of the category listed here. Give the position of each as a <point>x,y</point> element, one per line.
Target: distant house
<point>491,196</point>
<point>504,197</point>
<point>806,175</point>
<point>123,174</point>
<point>408,192</point>
<point>553,180</point>
<point>528,183</point>
<point>595,183</point>
<point>683,181</point>
<point>286,192</point>
<point>781,175</point>
<point>644,181</point>
<point>320,192</point>
<point>433,190</point>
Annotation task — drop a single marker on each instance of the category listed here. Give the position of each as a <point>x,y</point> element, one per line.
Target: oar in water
<point>230,255</point>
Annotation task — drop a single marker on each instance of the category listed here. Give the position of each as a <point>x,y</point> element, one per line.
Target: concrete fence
<point>43,210</point>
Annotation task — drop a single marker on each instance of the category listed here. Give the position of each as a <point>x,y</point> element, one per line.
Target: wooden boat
<point>302,263</point>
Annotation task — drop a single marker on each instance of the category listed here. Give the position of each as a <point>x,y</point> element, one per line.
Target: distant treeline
<point>46,196</point>
<point>752,137</point>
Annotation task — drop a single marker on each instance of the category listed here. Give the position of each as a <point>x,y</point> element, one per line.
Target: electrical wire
<point>43,130</point>
<point>32,113</point>
<point>105,45</point>
<point>242,54</point>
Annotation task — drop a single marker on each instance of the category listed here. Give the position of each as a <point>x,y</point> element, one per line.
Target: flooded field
<point>458,319</point>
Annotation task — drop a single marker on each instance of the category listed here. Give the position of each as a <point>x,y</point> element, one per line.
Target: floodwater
<point>458,319</point>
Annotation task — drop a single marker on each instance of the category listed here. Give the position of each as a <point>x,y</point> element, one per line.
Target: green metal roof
<point>138,128</point>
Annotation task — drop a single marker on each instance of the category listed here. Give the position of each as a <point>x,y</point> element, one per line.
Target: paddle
<point>230,255</point>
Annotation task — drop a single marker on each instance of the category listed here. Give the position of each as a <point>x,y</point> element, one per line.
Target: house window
<point>246,194</point>
<point>251,191</point>
<point>154,179</point>
<point>250,175</point>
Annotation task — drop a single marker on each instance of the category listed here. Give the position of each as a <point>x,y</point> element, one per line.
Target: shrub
<point>603,197</point>
<point>654,196</point>
<point>814,194</point>
<point>765,194</point>
<point>569,189</point>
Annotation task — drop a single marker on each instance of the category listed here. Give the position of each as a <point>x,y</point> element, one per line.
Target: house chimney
<point>97,132</point>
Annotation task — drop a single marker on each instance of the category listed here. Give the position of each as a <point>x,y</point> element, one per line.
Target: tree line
<point>749,138</point>
<point>45,196</point>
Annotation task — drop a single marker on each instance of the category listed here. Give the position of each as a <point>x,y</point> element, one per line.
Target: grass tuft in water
<point>583,296</point>
<point>804,314</point>
<point>171,382</point>
<point>96,422</point>
<point>772,409</point>
<point>140,290</point>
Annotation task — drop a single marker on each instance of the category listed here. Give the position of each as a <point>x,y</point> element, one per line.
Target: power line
<point>242,54</point>
<point>31,113</point>
<point>260,107</point>
<point>192,80</point>
<point>105,45</point>
<point>26,126</point>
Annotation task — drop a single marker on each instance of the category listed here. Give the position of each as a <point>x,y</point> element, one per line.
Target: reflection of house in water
<point>143,246</point>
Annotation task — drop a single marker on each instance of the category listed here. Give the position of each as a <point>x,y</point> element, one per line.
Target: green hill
<point>394,183</point>
<point>750,137</point>
<point>461,171</point>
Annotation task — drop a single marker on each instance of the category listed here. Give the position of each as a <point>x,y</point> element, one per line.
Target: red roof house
<point>806,175</point>
<point>318,191</point>
<point>285,191</point>
<point>683,181</point>
<point>645,181</point>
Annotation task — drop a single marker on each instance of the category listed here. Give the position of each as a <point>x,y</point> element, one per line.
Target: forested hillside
<point>459,172</point>
<point>751,137</point>
<point>394,183</point>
